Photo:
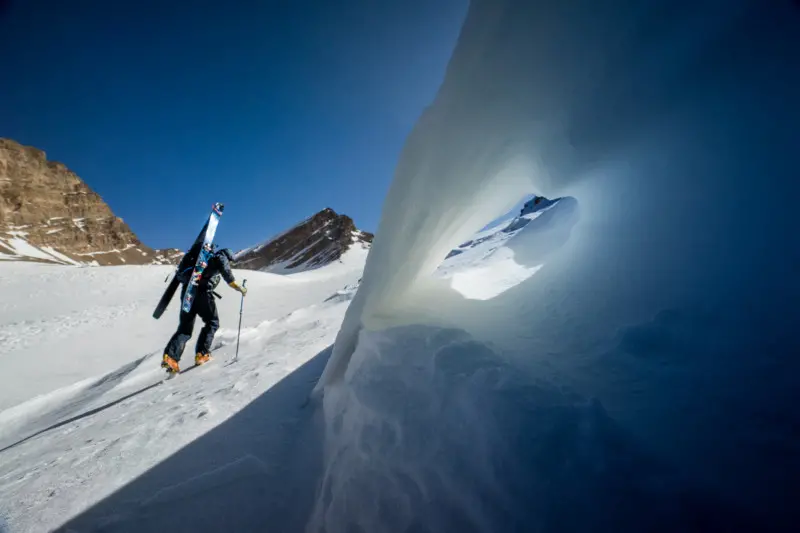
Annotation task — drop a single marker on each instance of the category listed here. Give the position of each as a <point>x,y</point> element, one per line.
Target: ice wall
<point>661,118</point>
<point>674,125</point>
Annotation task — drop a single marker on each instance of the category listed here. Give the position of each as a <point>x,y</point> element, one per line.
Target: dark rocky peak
<point>315,242</point>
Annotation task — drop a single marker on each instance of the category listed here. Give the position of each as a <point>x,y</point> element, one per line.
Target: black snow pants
<point>205,306</point>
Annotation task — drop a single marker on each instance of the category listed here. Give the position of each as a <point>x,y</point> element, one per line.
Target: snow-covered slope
<point>15,247</point>
<point>82,410</point>
<point>49,312</point>
<point>81,422</point>
<point>65,451</point>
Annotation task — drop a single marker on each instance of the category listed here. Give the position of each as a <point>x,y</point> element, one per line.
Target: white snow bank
<point>23,248</point>
<point>490,280</point>
<point>353,259</point>
<point>59,256</point>
<point>664,122</point>
<point>435,431</point>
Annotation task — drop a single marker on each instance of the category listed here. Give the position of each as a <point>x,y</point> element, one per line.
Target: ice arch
<point>672,299</point>
<point>672,122</point>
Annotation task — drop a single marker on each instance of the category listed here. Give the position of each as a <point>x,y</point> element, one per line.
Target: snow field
<point>69,448</point>
<point>59,325</point>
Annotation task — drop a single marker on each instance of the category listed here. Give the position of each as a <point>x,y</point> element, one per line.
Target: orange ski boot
<point>170,364</point>
<point>201,358</point>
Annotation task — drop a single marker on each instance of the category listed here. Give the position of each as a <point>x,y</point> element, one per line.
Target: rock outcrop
<point>48,213</point>
<point>313,243</point>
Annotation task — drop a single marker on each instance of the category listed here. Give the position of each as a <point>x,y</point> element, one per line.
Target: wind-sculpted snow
<point>669,296</point>
<point>101,452</point>
<point>450,437</point>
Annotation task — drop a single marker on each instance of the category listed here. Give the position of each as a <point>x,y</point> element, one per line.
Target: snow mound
<point>438,432</point>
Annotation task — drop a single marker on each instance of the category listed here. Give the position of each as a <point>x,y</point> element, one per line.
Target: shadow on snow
<point>256,471</point>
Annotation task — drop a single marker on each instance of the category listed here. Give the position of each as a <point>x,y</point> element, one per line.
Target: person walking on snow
<point>204,305</point>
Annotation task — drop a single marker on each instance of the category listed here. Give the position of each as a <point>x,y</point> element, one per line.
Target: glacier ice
<point>672,299</point>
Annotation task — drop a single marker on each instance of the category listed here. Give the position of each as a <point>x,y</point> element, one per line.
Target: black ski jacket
<point>218,267</point>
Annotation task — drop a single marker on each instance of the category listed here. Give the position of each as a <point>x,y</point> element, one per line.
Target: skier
<point>203,305</point>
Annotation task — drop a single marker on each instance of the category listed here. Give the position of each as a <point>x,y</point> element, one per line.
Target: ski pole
<point>241,306</point>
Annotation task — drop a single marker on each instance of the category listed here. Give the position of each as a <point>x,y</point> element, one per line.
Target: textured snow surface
<point>82,410</point>
<point>50,312</point>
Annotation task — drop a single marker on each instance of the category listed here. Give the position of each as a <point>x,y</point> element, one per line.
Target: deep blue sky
<point>276,108</point>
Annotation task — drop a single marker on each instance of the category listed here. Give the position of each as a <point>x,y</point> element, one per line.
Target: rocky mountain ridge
<point>313,243</point>
<point>47,213</point>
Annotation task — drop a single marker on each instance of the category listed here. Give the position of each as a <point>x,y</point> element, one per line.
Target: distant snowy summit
<point>48,214</point>
<point>313,243</point>
<point>537,203</point>
<point>500,232</point>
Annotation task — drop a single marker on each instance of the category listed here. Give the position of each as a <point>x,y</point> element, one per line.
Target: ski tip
<point>219,208</point>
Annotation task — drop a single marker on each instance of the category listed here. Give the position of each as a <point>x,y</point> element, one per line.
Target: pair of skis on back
<point>196,259</point>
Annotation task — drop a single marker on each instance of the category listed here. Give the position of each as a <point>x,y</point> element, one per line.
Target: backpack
<point>212,280</point>
<point>189,261</point>
<point>212,273</point>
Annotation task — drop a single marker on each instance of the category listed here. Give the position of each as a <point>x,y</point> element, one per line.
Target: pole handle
<point>241,308</point>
